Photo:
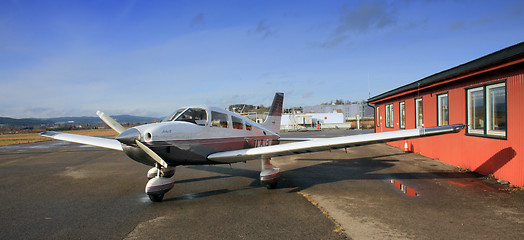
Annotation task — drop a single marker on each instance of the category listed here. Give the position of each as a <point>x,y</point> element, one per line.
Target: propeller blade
<point>111,122</point>
<point>152,154</point>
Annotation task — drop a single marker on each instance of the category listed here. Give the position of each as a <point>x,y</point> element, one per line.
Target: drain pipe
<point>374,114</point>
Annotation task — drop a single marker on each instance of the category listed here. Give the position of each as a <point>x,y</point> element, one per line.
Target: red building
<point>486,93</point>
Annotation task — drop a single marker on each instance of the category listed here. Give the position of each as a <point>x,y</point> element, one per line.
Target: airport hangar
<point>487,94</point>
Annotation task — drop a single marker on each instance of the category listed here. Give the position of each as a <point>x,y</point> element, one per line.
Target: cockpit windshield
<point>172,116</point>
<point>193,115</point>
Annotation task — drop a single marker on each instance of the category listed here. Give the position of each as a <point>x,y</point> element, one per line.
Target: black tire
<point>156,197</point>
<point>271,185</point>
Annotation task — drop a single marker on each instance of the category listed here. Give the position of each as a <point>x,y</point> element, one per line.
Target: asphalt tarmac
<point>58,190</point>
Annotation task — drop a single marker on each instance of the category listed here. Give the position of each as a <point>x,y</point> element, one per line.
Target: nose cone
<point>129,136</point>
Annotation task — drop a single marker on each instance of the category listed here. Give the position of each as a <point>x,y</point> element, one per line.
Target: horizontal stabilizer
<point>94,141</point>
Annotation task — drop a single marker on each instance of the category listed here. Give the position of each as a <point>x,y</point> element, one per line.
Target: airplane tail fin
<point>275,113</point>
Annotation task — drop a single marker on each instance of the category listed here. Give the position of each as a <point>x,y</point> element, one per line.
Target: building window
<point>496,102</point>
<point>476,110</point>
<point>487,110</point>
<point>378,116</point>
<point>402,111</point>
<point>418,113</point>
<point>443,109</point>
<point>389,115</point>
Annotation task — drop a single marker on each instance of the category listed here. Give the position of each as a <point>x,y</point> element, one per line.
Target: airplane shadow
<point>198,195</point>
<point>230,171</point>
<point>326,171</point>
<point>201,179</point>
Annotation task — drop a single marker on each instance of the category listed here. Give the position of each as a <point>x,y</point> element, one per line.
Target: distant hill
<point>23,122</point>
<point>97,120</point>
<point>32,122</point>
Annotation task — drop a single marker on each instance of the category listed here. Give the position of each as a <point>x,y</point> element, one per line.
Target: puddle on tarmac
<point>403,188</point>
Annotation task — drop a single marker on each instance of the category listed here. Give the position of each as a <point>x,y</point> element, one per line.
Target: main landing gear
<point>160,182</point>
<point>161,179</point>
<point>269,175</point>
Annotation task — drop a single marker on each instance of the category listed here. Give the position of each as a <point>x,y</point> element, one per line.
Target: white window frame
<point>389,115</point>
<point>419,122</point>
<point>378,116</point>
<point>488,111</point>
<point>440,109</point>
<point>402,114</point>
<point>471,114</point>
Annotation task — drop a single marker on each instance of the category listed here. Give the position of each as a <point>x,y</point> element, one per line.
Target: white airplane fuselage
<point>181,142</point>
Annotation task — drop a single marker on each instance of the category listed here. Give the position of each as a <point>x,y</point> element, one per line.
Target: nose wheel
<point>160,184</point>
<point>156,197</point>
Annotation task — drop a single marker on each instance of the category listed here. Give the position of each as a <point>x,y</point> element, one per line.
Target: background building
<point>340,116</point>
<point>350,111</point>
<point>486,94</point>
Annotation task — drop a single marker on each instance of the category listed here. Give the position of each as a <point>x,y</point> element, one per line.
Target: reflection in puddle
<point>403,188</point>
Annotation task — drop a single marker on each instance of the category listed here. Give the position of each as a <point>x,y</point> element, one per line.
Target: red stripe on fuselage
<point>233,143</point>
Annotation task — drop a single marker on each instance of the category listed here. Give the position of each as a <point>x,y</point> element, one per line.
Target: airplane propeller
<point>158,185</point>
<point>152,154</point>
<point>130,137</point>
<point>111,122</point>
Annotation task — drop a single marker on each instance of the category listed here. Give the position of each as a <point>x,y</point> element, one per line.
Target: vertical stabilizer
<point>275,113</point>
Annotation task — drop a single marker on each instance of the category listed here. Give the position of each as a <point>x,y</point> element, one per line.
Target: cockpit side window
<point>237,122</point>
<point>197,116</point>
<point>219,120</point>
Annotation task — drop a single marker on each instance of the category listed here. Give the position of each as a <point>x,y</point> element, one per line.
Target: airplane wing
<point>321,144</point>
<point>95,141</point>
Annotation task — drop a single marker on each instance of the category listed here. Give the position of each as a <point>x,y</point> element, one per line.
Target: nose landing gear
<point>160,182</point>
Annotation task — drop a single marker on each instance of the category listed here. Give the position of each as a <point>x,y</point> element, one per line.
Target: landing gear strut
<point>269,175</point>
<point>160,182</point>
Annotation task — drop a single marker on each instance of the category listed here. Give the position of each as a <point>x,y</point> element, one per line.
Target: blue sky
<point>148,58</point>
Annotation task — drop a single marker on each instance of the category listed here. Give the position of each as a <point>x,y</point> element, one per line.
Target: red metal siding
<point>501,157</point>
<point>410,113</point>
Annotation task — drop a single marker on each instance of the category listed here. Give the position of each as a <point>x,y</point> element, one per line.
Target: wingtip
<point>459,127</point>
<point>47,134</point>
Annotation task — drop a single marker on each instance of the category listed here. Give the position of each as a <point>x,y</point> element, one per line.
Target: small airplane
<point>202,135</point>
